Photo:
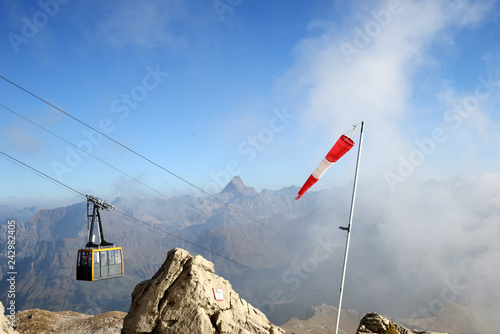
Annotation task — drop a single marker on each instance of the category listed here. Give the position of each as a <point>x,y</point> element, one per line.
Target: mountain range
<point>47,243</point>
<point>281,255</point>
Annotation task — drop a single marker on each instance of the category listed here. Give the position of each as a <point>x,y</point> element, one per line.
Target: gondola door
<point>96,266</point>
<point>83,265</point>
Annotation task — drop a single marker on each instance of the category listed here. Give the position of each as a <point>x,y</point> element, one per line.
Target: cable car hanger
<point>93,206</point>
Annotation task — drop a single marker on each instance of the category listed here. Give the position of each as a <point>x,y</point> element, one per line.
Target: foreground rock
<point>45,322</point>
<point>372,323</point>
<point>5,322</point>
<point>180,298</point>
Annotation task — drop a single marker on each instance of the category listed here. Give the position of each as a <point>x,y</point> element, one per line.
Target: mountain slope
<point>50,239</point>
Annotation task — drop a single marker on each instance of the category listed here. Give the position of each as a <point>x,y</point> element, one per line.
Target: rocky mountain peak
<point>236,186</point>
<point>185,296</point>
<point>373,323</point>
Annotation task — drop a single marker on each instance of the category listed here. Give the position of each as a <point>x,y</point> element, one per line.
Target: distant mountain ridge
<point>48,241</point>
<point>20,215</point>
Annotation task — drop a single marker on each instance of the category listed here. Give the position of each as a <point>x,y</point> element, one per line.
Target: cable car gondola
<point>102,260</point>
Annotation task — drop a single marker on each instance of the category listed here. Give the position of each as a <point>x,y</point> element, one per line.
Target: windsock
<point>341,147</point>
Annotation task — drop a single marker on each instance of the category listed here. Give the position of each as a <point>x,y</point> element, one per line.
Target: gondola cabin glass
<point>100,263</point>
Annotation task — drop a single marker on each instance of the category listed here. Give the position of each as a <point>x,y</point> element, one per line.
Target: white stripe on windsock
<point>322,168</point>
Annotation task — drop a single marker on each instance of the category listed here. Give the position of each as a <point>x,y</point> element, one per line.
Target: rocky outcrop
<point>185,296</point>
<point>5,327</point>
<point>373,323</point>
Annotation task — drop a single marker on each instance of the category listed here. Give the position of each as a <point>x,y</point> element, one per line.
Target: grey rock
<point>373,323</point>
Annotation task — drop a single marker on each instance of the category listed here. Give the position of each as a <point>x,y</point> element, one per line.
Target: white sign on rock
<point>218,294</point>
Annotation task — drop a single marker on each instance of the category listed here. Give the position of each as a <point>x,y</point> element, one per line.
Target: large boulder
<point>373,323</point>
<point>185,296</point>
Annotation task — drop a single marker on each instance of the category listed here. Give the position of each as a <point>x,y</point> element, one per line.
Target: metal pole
<point>348,229</point>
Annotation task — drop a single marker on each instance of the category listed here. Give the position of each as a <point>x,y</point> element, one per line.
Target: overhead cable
<point>117,169</point>
<point>166,170</point>
<point>136,220</point>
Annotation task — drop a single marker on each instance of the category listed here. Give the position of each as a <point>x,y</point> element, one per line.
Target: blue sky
<point>214,89</point>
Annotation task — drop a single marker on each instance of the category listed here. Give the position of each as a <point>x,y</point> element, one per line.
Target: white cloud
<point>366,71</point>
<point>434,232</point>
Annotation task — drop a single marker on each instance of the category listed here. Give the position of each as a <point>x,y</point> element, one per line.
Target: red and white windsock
<point>341,147</point>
